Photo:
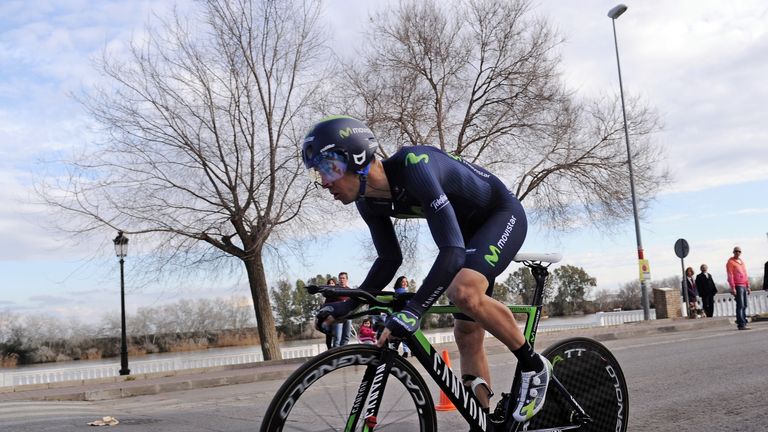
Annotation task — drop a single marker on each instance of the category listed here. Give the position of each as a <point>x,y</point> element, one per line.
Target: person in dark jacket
<point>690,284</point>
<point>707,290</point>
<point>765,277</point>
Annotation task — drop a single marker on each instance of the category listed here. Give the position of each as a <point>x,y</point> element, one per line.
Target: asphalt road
<point>710,379</point>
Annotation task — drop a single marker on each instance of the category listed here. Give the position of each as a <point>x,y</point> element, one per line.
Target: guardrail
<point>724,306</point>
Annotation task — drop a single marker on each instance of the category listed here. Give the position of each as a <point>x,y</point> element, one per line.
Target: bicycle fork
<point>370,393</point>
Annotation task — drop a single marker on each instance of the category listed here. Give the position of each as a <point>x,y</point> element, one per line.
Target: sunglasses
<point>329,167</point>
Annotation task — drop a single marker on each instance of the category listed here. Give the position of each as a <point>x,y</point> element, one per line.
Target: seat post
<point>540,274</point>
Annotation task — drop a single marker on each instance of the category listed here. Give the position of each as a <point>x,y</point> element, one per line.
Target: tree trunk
<point>262,306</point>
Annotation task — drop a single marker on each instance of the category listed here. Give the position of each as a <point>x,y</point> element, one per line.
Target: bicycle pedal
<point>499,413</point>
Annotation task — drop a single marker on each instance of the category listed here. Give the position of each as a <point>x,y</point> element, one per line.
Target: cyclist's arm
<point>441,218</point>
<point>388,258</point>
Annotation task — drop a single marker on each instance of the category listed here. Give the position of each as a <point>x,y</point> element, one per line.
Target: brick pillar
<point>667,303</point>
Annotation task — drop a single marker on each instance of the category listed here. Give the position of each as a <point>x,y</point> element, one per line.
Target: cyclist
<point>476,222</point>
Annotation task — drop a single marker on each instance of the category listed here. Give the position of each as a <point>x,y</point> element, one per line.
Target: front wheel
<point>592,375</point>
<point>331,392</point>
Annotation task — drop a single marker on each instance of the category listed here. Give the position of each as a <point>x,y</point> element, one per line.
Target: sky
<point>701,64</point>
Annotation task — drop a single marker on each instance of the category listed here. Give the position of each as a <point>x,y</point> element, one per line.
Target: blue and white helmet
<point>342,139</point>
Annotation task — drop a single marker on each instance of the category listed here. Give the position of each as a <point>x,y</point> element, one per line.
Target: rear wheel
<point>322,394</point>
<point>594,378</point>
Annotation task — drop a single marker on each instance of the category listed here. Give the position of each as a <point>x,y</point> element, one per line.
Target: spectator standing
<point>366,334</point>
<point>707,290</point>
<point>401,287</point>
<point>329,335</point>
<point>690,284</point>
<point>342,330</point>
<point>739,283</point>
<point>765,277</point>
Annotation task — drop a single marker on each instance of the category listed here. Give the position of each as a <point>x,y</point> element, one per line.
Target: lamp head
<point>617,11</point>
<point>121,245</point>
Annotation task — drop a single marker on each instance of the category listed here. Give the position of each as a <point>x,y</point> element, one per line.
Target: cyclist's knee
<point>467,297</point>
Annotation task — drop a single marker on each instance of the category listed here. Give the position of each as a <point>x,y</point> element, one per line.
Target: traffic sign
<point>681,248</point>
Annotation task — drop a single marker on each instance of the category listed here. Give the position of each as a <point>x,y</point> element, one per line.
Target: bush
<point>9,361</point>
<point>43,354</point>
<point>91,354</point>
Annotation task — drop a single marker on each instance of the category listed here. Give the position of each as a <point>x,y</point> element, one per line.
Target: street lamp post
<point>613,14</point>
<point>121,250</point>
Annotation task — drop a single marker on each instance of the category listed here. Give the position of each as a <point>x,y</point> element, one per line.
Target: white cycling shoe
<point>533,390</point>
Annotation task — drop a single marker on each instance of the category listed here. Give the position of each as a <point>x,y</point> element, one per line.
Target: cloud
<point>701,65</point>
<point>51,299</point>
<point>749,211</point>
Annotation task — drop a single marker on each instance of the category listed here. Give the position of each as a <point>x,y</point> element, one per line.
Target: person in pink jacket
<point>366,334</point>
<point>739,283</point>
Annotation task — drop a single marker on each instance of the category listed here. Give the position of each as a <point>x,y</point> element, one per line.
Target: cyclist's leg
<point>467,291</point>
<point>490,250</point>
<point>469,338</point>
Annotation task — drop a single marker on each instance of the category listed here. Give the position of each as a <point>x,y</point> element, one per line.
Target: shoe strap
<point>472,382</point>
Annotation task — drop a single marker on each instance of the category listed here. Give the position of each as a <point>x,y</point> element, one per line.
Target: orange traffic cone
<point>445,403</point>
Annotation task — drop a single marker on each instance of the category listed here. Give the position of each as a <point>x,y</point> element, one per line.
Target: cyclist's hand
<point>400,325</point>
<point>332,312</point>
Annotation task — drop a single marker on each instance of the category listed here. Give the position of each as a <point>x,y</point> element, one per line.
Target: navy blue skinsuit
<point>476,222</point>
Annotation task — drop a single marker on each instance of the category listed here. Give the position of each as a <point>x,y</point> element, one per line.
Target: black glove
<point>403,323</point>
<point>337,310</point>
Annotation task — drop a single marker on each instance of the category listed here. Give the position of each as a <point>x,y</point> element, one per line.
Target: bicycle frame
<point>450,383</point>
<point>465,401</point>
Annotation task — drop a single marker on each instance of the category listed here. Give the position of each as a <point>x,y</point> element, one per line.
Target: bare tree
<point>481,78</point>
<point>203,124</point>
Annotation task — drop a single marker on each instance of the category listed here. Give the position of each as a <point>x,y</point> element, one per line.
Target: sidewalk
<point>148,384</point>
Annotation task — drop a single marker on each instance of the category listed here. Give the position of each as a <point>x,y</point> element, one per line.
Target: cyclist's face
<point>345,189</point>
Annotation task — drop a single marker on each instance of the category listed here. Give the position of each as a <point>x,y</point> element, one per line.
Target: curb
<point>280,369</point>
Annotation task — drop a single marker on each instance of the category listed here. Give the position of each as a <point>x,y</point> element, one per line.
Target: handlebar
<point>367,297</point>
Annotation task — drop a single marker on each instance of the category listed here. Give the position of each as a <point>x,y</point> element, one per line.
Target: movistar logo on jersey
<point>407,319</point>
<point>493,257</point>
<point>413,159</point>
<point>346,132</point>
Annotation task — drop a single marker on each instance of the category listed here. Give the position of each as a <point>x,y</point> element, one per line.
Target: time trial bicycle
<point>366,388</point>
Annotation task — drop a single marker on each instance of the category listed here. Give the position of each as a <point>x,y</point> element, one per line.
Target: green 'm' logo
<point>413,159</point>
<point>344,133</point>
<point>493,257</point>
<point>406,319</point>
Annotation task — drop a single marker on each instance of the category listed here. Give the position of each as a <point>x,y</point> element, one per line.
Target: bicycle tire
<point>320,394</point>
<point>592,375</point>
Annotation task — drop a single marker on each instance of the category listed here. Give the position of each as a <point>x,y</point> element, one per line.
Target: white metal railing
<point>621,317</point>
<point>724,306</point>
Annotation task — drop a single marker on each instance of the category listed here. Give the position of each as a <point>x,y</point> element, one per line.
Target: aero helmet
<point>344,138</point>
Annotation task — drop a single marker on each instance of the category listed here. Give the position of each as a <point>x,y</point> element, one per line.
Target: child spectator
<point>366,334</point>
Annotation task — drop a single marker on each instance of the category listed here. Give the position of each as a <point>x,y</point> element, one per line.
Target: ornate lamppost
<point>121,250</point>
